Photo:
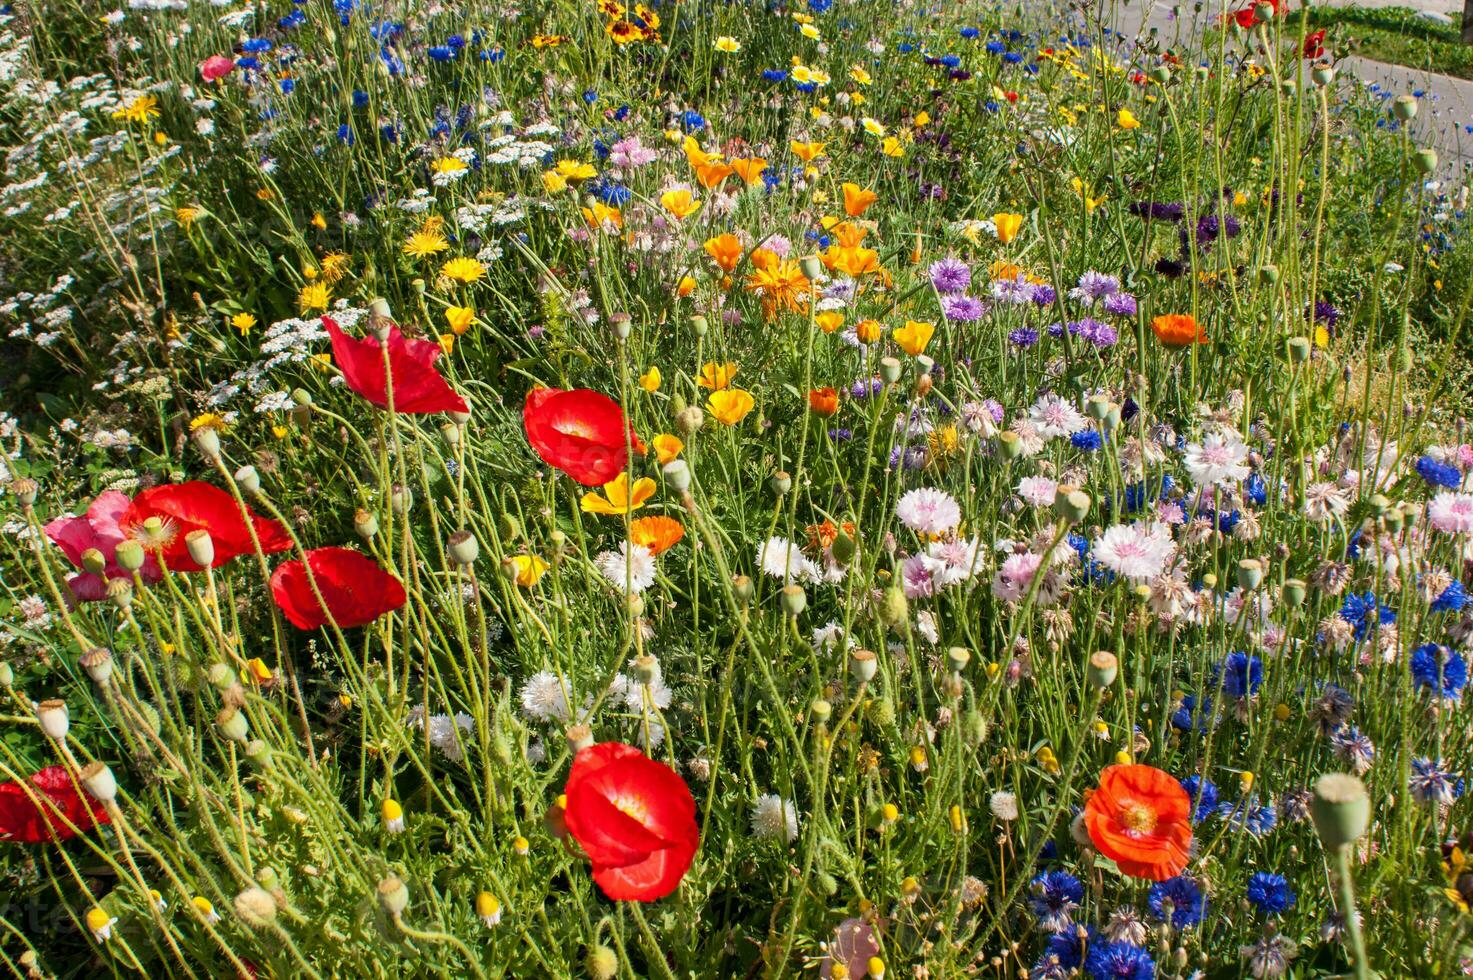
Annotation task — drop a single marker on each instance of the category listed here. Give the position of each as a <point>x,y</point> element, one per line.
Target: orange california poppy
<point>857,199</point>
<point>823,401</point>
<point>658,533</point>
<point>749,169</point>
<point>1178,330</point>
<point>726,250</point>
<point>712,173</point>
<point>1140,818</point>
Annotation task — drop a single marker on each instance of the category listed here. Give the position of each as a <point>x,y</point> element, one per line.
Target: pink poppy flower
<point>99,529</point>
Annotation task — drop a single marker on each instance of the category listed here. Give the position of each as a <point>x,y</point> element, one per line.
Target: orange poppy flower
<point>749,169</point>
<point>1178,330</point>
<point>1140,818</point>
<point>823,401</point>
<point>657,533</point>
<point>726,250</point>
<point>712,173</point>
<point>857,199</point>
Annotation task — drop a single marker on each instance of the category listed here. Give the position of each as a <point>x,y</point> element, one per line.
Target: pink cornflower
<point>1451,513</point>
<point>1137,551</point>
<point>927,510</point>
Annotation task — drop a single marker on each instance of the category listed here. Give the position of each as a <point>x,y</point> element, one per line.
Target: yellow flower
<point>680,203</point>
<point>922,118</point>
<point>868,331</point>
<point>139,110</point>
<point>424,243</point>
<point>860,76</point>
<point>256,671</point>
<point>667,447</point>
<point>730,405</point>
<point>209,420</point>
<point>449,165</point>
<point>716,376</point>
<point>447,342</point>
<point>554,182</point>
<point>314,296</point>
<point>619,499</point>
<point>1007,225</point>
<point>807,152</point>
<point>186,215</point>
<point>829,320</point>
<point>650,380</point>
<point>575,170</point>
<point>808,31</point>
<point>892,147</point>
<point>728,44</point>
<point>459,318</point>
<point>243,322</point>
<point>1126,119</point>
<point>872,126</point>
<point>464,270</point>
<point>529,568</point>
<point>914,336</point>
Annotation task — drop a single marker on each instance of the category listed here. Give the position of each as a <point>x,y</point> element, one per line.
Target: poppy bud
<point>677,474</point>
<point>393,896</point>
<point>795,600</point>
<point>1112,419</point>
<point>843,548</point>
<point>401,499</point>
<point>1425,160</point>
<point>7,675</point>
<point>690,421</point>
<point>98,663</point>
<point>99,781</point>
<point>812,267</point>
<point>821,710</point>
<point>893,606</point>
<point>1160,74</point>
<point>458,417</point>
<point>1072,506</point>
<point>602,963</point>
<point>24,490</point>
<point>1404,107</point>
<point>232,723</point>
<point>881,712</point>
<point>1288,86</point>
<point>257,753</point>
<point>129,555</point>
<point>889,370</point>
<point>248,480</point>
<point>974,727</point>
<point>863,665</point>
<point>256,907</point>
<point>1103,668</point>
<point>1341,810</point>
<point>301,397</point>
<point>780,482</point>
<point>743,588</point>
<point>219,676</point>
<point>1008,445</point>
<point>579,737</point>
<point>1294,591</point>
<point>957,658</point>
<point>1250,574</point>
<point>1269,273</point>
<point>464,548</point>
<point>201,547</point>
<point>53,718</point>
<point>698,325</point>
<point>827,883</point>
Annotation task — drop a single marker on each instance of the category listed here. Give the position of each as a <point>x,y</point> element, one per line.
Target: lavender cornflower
<point>1099,334</point>
<point>1023,337</point>
<point>1094,286</point>
<point>1015,291</point>
<point>1322,312</point>
<point>950,275</point>
<point>1120,304</point>
<point>1157,211</point>
<point>1354,749</point>
<point>1042,294</point>
<point>865,387</point>
<point>962,309</point>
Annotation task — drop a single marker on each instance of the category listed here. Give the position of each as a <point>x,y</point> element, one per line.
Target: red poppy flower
<point>418,387</point>
<point>42,813</point>
<point>634,818</point>
<point>357,591</point>
<point>1314,44</point>
<point>1140,819</point>
<point>581,432</point>
<point>198,506</point>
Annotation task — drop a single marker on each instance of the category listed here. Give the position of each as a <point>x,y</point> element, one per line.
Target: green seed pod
<point>974,728</point>
<point>1294,591</point>
<point>881,713</point>
<point>1425,160</point>
<point>794,599</point>
<point>130,555</point>
<point>843,548</point>
<point>1341,810</point>
<point>1103,668</point>
<point>889,370</point>
<point>744,589</point>
<point>1269,273</point>
<point>1072,506</point>
<point>1250,574</point>
<point>863,665</point>
<point>1008,445</point>
<point>1404,107</point>
<point>393,896</point>
<point>780,482</point>
<point>893,606</point>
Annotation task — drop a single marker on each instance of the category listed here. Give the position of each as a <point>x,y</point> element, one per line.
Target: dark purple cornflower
<point>1023,337</point>
<point>865,387</point>
<point>1042,294</point>
<point>1170,268</point>
<point>1120,304</point>
<point>841,435</point>
<point>1323,312</point>
<point>910,458</point>
<point>950,275</point>
<point>1157,211</point>
<point>962,309</point>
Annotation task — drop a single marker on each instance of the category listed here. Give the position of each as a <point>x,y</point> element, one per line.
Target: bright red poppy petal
<point>357,591</point>
<point>418,388</point>
<point>649,880</point>
<point>581,432</point>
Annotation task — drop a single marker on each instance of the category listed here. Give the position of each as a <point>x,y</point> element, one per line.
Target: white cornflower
<point>783,559</point>
<point>1055,418</point>
<point>926,510</point>
<point>1039,491</point>
<point>1324,502</point>
<point>772,816</point>
<point>543,698</point>
<point>1004,806</point>
<point>826,638</point>
<point>1451,513</point>
<point>631,567</point>
<point>1137,551</point>
<point>1216,460</point>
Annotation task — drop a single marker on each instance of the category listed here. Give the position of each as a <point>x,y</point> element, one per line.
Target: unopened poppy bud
<point>602,962</point>
<point>862,665</point>
<point>129,555</point>
<point>25,490</point>
<point>99,781</point>
<point>743,589</point>
<point>1299,349</point>
<point>1160,74</point>
<point>1393,520</point>
<point>558,539</point>
<point>812,267</point>
<point>1111,421</point>
<point>889,370</point>
<point>646,669</point>
<point>690,421</point>
<point>1341,809</point>
<point>957,658</point>
<point>1097,407</point>
<point>1072,506</point>
<point>781,482</point>
<point>974,727</point>
<point>450,432</point>
<point>1323,74</point>
<point>1008,445</point>
<point>201,547</point>
<point>7,675</point>
<point>1268,273</point>
<point>699,325</point>
<point>821,710</point>
<point>1404,107</point>
<point>232,723</point>
<point>795,600</point>
<point>461,418</point>
<point>621,324</point>
<point>53,718</point>
<point>1288,86</point>
<point>893,605</point>
<point>464,548</point>
<point>207,441</point>
<point>98,663</point>
<point>248,480</point>
<point>1425,160</point>
<point>1250,574</point>
<point>634,605</point>
<point>301,397</point>
<point>257,753</point>
<point>401,499</point>
<point>1294,591</point>
<point>365,524</point>
<point>677,474</point>
<point>579,737</point>
<point>1409,516</point>
<point>843,547</point>
<point>256,907</point>
<point>393,896</point>
<point>1209,580</point>
<point>1103,668</point>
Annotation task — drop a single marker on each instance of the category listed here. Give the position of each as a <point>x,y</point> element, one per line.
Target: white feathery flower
<point>927,510</point>
<point>783,559</point>
<point>1136,551</point>
<point>632,567</point>
<point>1216,460</point>
<point>543,698</point>
<point>773,816</point>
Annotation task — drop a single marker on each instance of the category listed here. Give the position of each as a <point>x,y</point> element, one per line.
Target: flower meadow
<point>838,489</point>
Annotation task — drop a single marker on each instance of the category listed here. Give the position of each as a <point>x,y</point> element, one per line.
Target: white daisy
<point>631,567</point>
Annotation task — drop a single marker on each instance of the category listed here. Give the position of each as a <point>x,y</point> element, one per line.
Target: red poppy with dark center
<point>581,432</point>
<point>1314,44</point>
<point>357,591</point>
<point>418,387</point>
<point>48,810</point>
<point>1140,819</point>
<point>160,517</point>
<point>634,818</point>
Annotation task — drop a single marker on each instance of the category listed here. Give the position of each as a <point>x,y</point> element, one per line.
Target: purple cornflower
<point>1024,337</point>
<point>1042,294</point>
<point>1094,286</point>
<point>1015,291</point>
<point>1120,304</point>
<point>1158,211</point>
<point>1323,312</point>
<point>950,275</point>
<point>865,387</point>
<point>911,458</point>
<point>962,309</point>
<point>1097,333</point>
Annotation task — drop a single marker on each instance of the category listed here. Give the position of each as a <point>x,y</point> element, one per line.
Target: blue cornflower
<point>1056,894</point>
<point>1185,896</point>
<point>1270,893</point>
<point>1204,795</point>
<point>1240,675</point>
<point>970,33</point>
<point>774,75</point>
<point>1087,440</point>
<point>996,47</point>
<point>288,86</point>
<point>1012,58</point>
<point>951,61</point>
<point>614,195</point>
<point>1191,717</point>
<point>1247,815</point>
<point>1364,612</point>
<point>345,134</point>
<point>841,435</point>
<point>692,121</point>
<point>1119,961</point>
<point>360,99</point>
<point>1023,337</point>
<point>1440,670</point>
<point>493,55</point>
<point>256,45</point>
<point>441,52</point>
<point>1452,599</point>
<point>1430,783</point>
<point>1255,489</point>
<point>1060,959</point>
<point>1439,474</point>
